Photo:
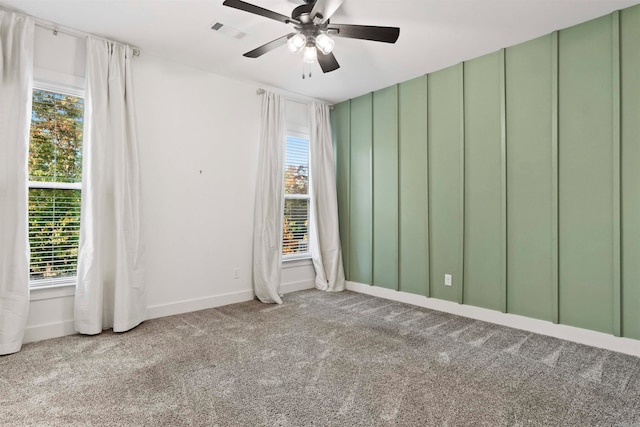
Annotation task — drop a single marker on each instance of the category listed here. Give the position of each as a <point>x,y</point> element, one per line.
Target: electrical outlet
<point>236,273</point>
<point>447,280</point>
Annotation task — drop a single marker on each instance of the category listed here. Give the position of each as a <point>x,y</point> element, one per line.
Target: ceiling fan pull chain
<point>305,74</point>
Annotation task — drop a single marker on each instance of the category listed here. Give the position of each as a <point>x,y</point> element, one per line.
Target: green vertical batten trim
<point>617,285</point>
<point>462,166</point>
<point>397,100</point>
<point>399,184</point>
<point>348,272</point>
<point>555,262</point>
<point>426,101</point>
<point>373,141</point>
<point>347,266</point>
<point>503,179</point>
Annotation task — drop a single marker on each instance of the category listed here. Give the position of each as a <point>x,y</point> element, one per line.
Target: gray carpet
<point>319,359</point>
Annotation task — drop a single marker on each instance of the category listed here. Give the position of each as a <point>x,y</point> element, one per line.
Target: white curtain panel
<point>16,68</point>
<point>267,224</point>
<point>110,291</point>
<point>326,249</point>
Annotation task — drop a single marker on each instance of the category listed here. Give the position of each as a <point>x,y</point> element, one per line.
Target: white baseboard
<point>302,285</point>
<point>188,306</point>
<point>197,304</point>
<point>48,331</point>
<point>569,333</point>
<point>60,329</point>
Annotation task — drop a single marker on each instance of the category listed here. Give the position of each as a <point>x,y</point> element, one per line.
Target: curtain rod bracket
<point>55,29</point>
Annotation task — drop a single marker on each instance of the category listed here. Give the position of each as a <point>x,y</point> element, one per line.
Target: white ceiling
<point>434,34</point>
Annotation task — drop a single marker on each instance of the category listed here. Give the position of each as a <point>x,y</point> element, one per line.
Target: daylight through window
<point>55,181</point>
<point>295,236</point>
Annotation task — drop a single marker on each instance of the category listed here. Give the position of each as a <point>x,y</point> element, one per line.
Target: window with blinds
<point>295,233</point>
<point>55,181</point>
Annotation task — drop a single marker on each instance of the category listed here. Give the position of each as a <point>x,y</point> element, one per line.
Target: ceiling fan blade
<point>365,32</point>
<point>257,10</point>
<point>326,8</point>
<point>327,62</point>
<point>268,47</point>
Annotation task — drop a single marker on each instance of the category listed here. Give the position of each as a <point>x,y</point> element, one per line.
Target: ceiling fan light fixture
<point>325,43</point>
<point>296,42</point>
<point>310,54</point>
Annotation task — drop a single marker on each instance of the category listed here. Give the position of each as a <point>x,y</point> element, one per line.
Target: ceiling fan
<point>313,31</point>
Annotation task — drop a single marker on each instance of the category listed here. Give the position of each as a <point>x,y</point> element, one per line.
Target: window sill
<point>39,293</point>
<point>297,262</point>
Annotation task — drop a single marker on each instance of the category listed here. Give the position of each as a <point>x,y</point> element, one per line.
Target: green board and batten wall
<point>518,173</point>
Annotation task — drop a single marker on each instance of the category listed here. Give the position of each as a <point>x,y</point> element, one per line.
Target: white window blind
<point>55,173</point>
<point>295,235</point>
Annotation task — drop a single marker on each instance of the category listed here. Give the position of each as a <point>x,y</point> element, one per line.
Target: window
<point>295,235</point>
<point>55,181</point>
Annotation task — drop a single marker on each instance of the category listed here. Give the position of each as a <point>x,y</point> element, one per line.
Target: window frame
<point>65,90</point>
<point>299,134</point>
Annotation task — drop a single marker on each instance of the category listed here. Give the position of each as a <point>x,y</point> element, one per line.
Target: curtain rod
<point>73,32</point>
<point>261,91</point>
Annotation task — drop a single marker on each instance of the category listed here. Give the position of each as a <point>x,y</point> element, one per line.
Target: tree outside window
<point>55,175</point>
<point>295,232</point>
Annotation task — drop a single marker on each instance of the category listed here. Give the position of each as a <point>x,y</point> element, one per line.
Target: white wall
<point>198,136</point>
<point>59,59</point>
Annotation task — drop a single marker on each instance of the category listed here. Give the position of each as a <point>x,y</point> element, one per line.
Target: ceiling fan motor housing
<point>301,13</point>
